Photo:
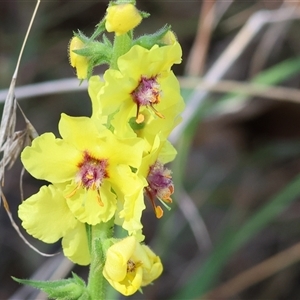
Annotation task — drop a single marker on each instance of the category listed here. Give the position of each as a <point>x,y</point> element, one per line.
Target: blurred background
<point>234,229</point>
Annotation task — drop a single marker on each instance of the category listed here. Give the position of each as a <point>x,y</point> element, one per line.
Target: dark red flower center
<point>91,173</point>
<point>147,93</point>
<point>160,185</point>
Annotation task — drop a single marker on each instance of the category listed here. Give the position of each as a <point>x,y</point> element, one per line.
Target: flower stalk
<point>97,285</point>
<point>102,167</point>
<point>122,44</point>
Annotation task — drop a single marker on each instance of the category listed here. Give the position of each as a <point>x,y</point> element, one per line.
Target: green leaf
<point>65,289</point>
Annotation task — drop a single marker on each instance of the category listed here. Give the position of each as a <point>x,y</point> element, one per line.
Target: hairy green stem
<point>122,44</point>
<point>96,282</point>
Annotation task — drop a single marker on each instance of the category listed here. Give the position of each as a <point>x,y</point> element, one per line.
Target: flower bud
<point>121,18</point>
<point>78,61</point>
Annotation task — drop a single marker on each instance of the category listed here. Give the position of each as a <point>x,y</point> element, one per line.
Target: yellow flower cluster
<point>101,167</point>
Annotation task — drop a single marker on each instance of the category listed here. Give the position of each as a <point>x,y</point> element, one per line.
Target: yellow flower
<point>121,18</point>
<point>144,90</point>
<point>159,180</point>
<point>130,266</point>
<point>47,217</point>
<point>152,266</point>
<point>91,165</point>
<point>78,61</point>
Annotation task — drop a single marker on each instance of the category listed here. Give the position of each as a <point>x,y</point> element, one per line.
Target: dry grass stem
<point>256,274</point>
<point>244,88</point>
<point>47,88</point>
<point>196,223</point>
<point>197,57</point>
<point>228,58</point>
<point>271,41</point>
<point>12,142</point>
<point>238,19</point>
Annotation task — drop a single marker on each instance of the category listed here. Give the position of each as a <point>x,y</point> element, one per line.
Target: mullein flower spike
<point>102,167</point>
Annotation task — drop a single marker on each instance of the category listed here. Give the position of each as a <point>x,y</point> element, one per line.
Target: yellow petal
<point>117,257</point>
<point>153,62</point>
<point>75,245</point>
<point>81,132</point>
<point>50,159</point>
<point>90,207</point>
<point>130,213</point>
<point>46,216</point>
<point>169,38</point>
<point>116,264</point>
<point>94,88</point>
<point>153,269</point>
<point>131,154</point>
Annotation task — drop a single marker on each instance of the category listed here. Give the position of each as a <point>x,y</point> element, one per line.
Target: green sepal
<point>65,289</point>
<point>97,53</point>
<point>117,2</point>
<point>144,14</point>
<point>94,48</point>
<point>100,27</point>
<point>81,36</point>
<point>149,40</point>
<point>106,41</point>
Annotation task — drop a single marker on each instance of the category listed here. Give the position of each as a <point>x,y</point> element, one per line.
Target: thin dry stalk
<point>244,88</point>
<point>196,222</point>
<point>12,142</point>
<point>271,41</point>
<point>46,88</point>
<point>228,58</point>
<point>256,274</point>
<point>239,18</point>
<point>197,57</point>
